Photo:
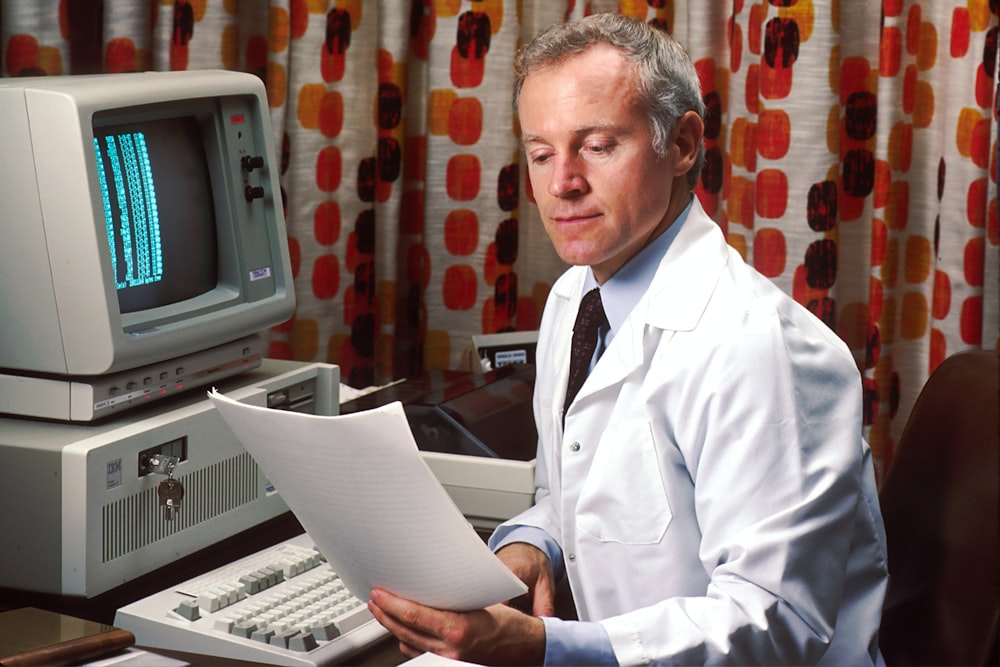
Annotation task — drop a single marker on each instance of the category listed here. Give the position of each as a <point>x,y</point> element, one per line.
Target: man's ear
<point>688,132</point>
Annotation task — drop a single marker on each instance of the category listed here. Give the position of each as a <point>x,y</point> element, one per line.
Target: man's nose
<point>568,177</point>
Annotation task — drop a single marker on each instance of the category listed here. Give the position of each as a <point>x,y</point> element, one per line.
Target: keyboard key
<point>303,641</point>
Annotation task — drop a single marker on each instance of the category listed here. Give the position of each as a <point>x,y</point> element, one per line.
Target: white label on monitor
<point>260,274</point>
<point>505,357</point>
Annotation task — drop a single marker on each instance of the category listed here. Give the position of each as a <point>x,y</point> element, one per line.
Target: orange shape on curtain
<point>461,231</point>
<point>774,133</point>
<point>883,181</point>
<point>976,202</point>
<point>752,91</point>
<point>941,301</point>
<point>739,204</point>
<point>973,261</point>
<point>755,27</point>
<point>331,114</point>
<point>445,8</point>
<point>855,76</point>
<point>21,55</point>
<point>876,297</point>
<point>278,349</point>
<point>972,321</point>
<point>307,108</point>
<point>326,222</point>
<point>304,338</point>
<point>494,10</point>
<point>897,210</point>
<point>890,51</point>
<point>735,44</point>
<point>331,65</point>
<point>328,169</point>
<point>769,252</point>
<point>439,103</point>
<point>984,87</point>
<point>743,144</point>
<point>917,262</point>
<point>772,193</point>
<point>775,82</point>
<point>981,149</point>
<point>960,32</point>
<point>277,85</point>
<point>913,20</point>
<point>923,107</point>
<point>298,19</point>
<point>938,349</point>
<point>229,48</point>
<point>465,121</point>
<point>463,177</point>
<point>466,72</point>
<point>119,56</point>
<point>879,239</point>
<point>927,55</point>
<point>326,276</point>
<point>459,287</point>
<point>900,152</point>
<point>914,318</point>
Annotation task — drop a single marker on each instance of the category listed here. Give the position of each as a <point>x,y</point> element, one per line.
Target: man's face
<point>602,191</point>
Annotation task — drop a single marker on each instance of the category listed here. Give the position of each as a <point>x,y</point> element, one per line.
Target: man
<point>708,493</point>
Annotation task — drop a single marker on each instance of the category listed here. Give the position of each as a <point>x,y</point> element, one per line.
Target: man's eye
<point>598,149</point>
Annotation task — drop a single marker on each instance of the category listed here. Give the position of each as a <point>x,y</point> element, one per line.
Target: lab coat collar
<point>687,276</point>
<point>677,298</point>
<point>685,279</point>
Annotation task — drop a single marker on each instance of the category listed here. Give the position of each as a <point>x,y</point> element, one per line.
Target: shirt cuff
<point>537,538</point>
<point>569,643</point>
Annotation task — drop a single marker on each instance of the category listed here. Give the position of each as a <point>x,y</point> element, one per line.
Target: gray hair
<point>668,83</point>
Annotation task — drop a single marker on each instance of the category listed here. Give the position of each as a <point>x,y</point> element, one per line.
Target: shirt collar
<point>622,291</point>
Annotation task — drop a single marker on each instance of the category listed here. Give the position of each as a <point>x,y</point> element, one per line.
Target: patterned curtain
<point>851,160</point>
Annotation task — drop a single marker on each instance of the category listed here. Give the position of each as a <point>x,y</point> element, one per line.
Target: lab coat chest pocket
<point>624,499</point>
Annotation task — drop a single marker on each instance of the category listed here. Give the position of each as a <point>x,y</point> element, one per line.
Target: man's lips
<point>575,218</point>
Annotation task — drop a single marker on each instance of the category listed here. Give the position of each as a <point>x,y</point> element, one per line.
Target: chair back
<point>940,501</point>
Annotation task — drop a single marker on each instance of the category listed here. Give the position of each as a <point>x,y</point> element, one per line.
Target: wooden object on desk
<point>32,636</point>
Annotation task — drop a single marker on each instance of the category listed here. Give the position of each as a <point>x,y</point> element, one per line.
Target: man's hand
<point>497,635</point>
<point>533,568</point>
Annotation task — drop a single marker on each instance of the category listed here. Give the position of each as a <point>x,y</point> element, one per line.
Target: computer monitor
<point>142,238</point>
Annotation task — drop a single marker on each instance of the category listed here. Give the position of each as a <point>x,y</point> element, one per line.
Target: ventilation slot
<point>136,521</point>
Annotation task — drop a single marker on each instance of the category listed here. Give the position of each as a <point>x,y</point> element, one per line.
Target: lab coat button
<point>572,558</point>
<point>575,447</point>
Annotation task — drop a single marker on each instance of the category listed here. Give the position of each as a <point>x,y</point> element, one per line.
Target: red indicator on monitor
<point>237,119</point>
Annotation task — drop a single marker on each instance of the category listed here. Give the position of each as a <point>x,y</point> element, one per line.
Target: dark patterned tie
<point>589,319</point>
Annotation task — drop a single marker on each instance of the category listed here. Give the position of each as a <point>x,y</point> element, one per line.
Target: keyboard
<point>283,605</point>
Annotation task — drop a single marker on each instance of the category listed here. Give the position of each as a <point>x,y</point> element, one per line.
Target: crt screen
<point>159,211</point>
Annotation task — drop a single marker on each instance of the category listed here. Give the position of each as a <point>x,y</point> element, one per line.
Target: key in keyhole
<point>171,492</point>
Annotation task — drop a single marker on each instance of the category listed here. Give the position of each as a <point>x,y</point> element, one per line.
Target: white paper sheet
<point>363,493</point>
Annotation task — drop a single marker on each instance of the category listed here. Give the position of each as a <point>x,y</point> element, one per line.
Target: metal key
<point>171,492</point>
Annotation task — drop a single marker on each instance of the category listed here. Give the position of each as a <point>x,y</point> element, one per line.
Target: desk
<point>30,636</point>
<point>101,609</point>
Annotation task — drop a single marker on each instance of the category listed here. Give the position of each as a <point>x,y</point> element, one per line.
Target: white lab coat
<point>712,492</point>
